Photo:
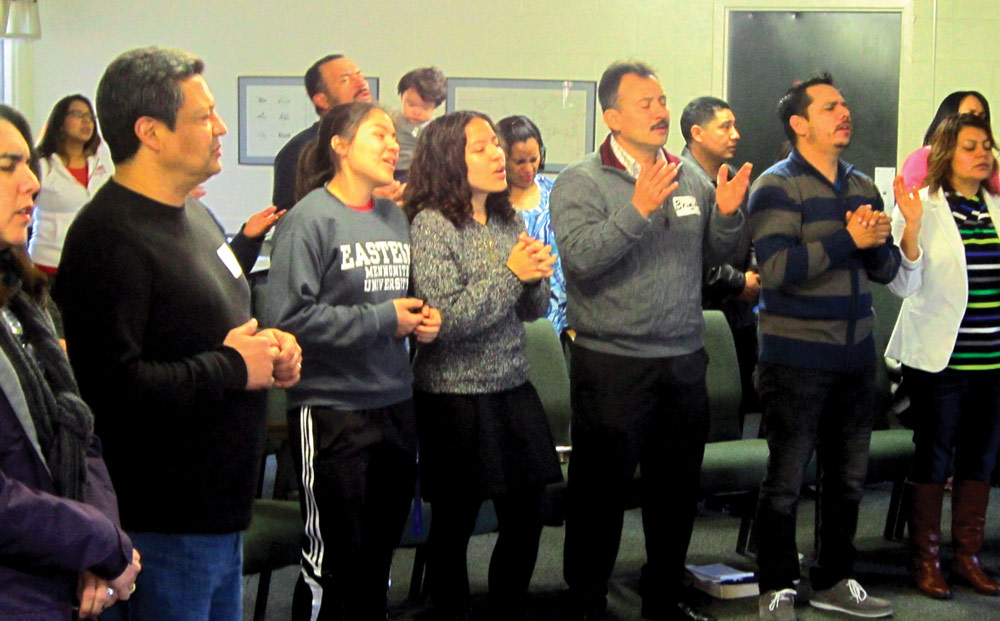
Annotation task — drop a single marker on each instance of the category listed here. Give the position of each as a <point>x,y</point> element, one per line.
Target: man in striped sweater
<point>820,236</point>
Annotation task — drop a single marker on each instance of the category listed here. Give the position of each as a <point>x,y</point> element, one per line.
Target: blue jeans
<point>185,578</point>
<point>954,411</point>
<point>807,409</point>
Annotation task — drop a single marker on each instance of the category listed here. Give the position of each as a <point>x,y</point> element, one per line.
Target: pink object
<point>915,170</point>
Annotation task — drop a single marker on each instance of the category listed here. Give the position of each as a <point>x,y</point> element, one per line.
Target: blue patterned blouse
<point>539,225</point>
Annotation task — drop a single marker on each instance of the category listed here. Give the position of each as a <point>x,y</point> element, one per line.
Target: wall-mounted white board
<point>272,110</point>
<point>563,110</point>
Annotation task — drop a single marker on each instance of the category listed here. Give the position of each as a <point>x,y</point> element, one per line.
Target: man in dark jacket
<point>710,135</point>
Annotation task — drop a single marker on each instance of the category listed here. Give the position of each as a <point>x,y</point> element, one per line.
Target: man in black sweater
<point>158,323</point>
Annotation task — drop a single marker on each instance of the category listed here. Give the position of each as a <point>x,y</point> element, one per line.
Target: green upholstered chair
<point>891,450</point>
<point>722,379</point>
<point>550,378</point>
<point>272,542</point>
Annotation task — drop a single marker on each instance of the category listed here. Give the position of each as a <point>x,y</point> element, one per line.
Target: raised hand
<point>729,193</point>
<point>909,204</point>
<point>908,201</point>
<point>261,222</point>
<point>654,185</point>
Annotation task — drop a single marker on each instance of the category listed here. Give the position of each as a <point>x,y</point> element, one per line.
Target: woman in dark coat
<point>62,553</point>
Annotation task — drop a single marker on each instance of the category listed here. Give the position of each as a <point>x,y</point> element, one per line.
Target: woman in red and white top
<point>72,170</point>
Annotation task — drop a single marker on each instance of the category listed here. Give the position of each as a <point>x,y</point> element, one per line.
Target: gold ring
<point>131,589</point>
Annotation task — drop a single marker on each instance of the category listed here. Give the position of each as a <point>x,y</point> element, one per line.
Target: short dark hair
<point>314,79</point>
<point>429,82</point>
<point>943,145</point>
<point>141,82</point>
<point>949,107</point>
<point>514,129</point>
<point>795,102</point>
<point>318,162</point>
<point>700,111</point>
<point>52,135</point>
<point>611,79</point>
<point>439,176</point>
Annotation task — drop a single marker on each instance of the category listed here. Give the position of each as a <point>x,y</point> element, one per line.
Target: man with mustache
<point>820,235</point>
<point>158,326</point>
<point>632,230</point>
<point>331,80</point>
<point>710,135</point>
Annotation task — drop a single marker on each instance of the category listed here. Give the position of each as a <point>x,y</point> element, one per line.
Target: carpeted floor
<point>880,568</point>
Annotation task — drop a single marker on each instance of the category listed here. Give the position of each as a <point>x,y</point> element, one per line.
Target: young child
<point>421,92</point>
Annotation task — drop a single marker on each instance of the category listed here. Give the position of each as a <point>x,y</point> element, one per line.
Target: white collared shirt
<point>632,167</point>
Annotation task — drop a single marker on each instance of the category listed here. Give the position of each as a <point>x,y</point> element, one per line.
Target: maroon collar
<point>608,155</point>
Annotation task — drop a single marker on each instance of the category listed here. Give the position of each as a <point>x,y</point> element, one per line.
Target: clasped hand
<point>95,594</point>
<point>273,358</point>
<point>416,318</point>
<point>868,227</point>
<point>530,259</point>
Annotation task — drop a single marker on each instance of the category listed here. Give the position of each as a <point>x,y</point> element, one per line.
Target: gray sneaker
<point>848,597</point>
<point>777,605</point>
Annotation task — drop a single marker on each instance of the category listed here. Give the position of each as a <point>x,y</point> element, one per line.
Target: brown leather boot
<point>925,539</point>
<point>968,520</point>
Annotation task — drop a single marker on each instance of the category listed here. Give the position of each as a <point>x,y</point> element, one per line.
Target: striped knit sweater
<point>815,303</point>
<point>976,347</point>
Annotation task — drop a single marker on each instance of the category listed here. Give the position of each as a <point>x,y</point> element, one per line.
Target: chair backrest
<point>885,305</point>
<point>549,376</point>
<point>722,379</point>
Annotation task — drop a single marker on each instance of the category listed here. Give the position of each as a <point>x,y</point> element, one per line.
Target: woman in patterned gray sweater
<point>483,433</point>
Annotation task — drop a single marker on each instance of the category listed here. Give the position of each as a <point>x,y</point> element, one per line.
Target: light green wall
<point>542,39</point>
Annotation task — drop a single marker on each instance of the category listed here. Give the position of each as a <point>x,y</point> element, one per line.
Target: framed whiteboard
<point>563,110</point>
<point>272,110</point>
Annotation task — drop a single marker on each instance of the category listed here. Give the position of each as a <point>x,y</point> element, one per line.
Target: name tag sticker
<point>686,206</point>
<point>229,259</point>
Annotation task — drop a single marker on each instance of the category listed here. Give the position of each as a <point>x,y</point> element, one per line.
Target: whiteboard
<point>272,110</point>
<point>563,110</point>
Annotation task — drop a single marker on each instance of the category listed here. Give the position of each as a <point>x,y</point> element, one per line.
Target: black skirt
<point>484,444</point>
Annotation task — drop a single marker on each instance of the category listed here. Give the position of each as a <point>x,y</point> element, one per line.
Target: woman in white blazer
<point>72,170</point>
<point>948,338</point>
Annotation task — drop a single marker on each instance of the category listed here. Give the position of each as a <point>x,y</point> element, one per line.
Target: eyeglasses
<point>80,114</point>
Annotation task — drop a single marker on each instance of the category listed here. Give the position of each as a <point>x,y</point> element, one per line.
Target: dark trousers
<point>627,412</point>
<point>519,514</point>
<point>745,340</point>
<point>954,411</point>
<point>831,413</point>
<point>357,471</point>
